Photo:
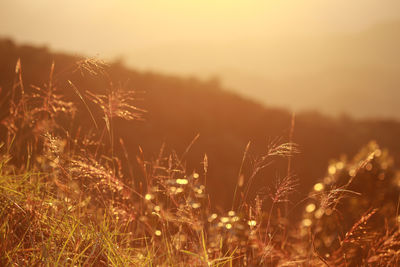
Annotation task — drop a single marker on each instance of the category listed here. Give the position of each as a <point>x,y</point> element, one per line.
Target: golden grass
<point>67,200</point>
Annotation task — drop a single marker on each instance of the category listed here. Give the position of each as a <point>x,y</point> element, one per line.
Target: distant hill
<point>180,108</point>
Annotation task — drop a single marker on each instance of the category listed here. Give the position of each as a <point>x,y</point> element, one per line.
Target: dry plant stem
<point>269,223</point>
<point>240,175</point>
<point>205,168</point>
<point>189,147</point>
<point>84,102</point>
<point>289,167</point>
<point>259,165</point>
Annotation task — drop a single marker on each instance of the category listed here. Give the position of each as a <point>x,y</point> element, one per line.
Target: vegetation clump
<point>70,198</point>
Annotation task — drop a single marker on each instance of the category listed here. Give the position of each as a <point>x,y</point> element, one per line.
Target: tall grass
<point>68,200</point>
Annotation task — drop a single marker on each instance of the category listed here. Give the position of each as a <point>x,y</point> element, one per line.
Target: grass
<point>68,200</point>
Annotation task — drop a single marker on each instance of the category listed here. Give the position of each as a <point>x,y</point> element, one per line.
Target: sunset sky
<point>251,45</point>
<point>115,27</point>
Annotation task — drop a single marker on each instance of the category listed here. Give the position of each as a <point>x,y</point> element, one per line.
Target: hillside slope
<point>180,108</point>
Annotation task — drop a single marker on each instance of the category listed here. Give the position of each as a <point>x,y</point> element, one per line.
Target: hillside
<point>180,108</point>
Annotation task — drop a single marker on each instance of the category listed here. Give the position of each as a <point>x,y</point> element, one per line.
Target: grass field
<point>68,198</point>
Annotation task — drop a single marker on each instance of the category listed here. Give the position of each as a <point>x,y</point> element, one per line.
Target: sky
<point>115,27</point>
<point>252,45</point>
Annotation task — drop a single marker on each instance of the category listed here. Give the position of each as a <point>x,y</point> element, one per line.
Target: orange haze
<point>335,56</point>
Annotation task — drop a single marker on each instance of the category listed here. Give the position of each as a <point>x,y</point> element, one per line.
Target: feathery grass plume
<point>355,244</point>
<point>117,104</point>
<point>274,149</point>
<point>283,188</point>
<point>283,149</point>
<point>46,100</point>
<point>386,250</point>
<point>88,169</point>
<point>358,234</point>
<point>93,66</point>
<point>53,149</point>
<point>331,198</point>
